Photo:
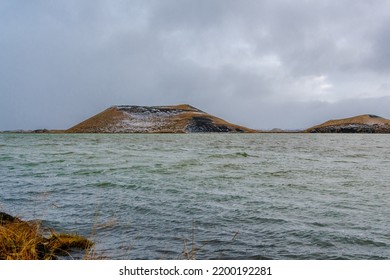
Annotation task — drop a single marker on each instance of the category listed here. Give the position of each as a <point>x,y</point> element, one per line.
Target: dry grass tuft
<point>61,244</point>
<point>21,240</point>
<point>189,252</point>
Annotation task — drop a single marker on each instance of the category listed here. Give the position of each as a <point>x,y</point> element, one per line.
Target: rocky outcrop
<point>6,218</point>
<point>358,124</point>
<point>155,119</point>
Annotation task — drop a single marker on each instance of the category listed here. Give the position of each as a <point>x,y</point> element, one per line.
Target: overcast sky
<point>257,63</point>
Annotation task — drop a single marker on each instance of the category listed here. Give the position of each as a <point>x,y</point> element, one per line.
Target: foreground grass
<point>20,240</point>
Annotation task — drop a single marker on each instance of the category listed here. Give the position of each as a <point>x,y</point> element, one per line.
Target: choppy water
<point>237,196</point>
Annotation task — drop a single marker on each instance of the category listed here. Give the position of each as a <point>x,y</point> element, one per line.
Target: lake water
<point>232,196</point>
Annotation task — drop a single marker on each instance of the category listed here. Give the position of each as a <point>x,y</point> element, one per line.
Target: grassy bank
<point>21,240</point>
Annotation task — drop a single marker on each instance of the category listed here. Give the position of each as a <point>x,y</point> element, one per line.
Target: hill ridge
<point>182,118</point>
<point>367,123</point>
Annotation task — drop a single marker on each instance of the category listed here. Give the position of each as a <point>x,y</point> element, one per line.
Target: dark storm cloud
<point>262,64</point>
<point>379,61</point>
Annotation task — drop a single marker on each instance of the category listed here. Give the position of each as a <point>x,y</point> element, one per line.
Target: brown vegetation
<point>99,122</point>
<point>358,124</point>
<point>20,240</point>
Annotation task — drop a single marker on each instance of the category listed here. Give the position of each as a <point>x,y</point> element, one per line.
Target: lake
<point>226,196</point>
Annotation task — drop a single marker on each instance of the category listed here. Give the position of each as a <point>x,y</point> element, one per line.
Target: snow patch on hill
<point>140,119</point>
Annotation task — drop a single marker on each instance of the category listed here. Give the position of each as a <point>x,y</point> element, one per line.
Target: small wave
<point>234,155</point>
<point>242,154</point>
<point>259,257</point>
<point>318,224</point>
<point>172,191</point>
<point>265,220</point>
<point>63,154</point>
<point>281,173</point>
<point>365,242</point>
<point>105,184</point>
<point>52,161</point>
<point>88,172</point>
<point>185,164</point>
<point>31,164</point>
<point>5,158</point>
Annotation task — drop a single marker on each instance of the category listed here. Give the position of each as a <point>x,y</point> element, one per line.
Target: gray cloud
<point>262,64</point>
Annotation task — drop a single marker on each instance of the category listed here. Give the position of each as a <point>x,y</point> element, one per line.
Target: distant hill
<point>155,119</point>
<point>358,124</point>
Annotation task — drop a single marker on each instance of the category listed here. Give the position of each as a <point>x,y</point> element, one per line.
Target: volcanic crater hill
<point>358,124</point>
<point>155,119</point>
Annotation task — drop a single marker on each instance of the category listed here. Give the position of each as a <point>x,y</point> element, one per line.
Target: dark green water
<point>237,196</point>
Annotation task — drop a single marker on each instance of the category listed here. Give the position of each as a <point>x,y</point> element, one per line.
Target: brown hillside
<point>156,119</point>
<point>358,124</point>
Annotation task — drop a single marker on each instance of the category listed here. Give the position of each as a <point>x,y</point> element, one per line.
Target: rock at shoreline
<point>6,218</point>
